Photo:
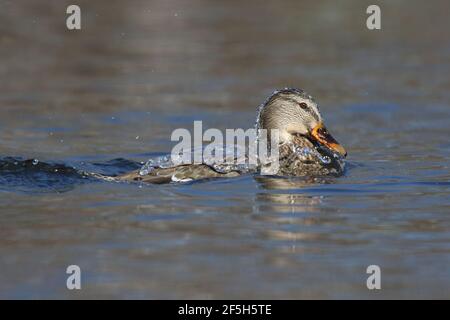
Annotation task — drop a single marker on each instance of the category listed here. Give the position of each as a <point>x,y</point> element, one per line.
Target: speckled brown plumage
<point>291,164</point>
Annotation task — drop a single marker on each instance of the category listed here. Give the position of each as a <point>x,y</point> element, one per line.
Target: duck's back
<point>182,173</point>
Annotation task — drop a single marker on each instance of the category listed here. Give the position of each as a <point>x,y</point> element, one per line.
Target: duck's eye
<point>303,105</point>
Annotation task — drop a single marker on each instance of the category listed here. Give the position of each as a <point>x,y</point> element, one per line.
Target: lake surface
<point>107,97</point>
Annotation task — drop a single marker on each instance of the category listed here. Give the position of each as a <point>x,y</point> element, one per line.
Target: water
<point>76,101</point>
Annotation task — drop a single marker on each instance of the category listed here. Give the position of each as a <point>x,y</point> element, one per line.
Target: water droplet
<point>304,152</point>
<point>325,159</point>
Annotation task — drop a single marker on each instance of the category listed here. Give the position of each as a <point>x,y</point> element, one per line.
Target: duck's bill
<point>321,135</point>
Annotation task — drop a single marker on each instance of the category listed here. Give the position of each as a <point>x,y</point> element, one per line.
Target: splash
<point>306,153</point>
<point>223,159</point>
<point>158,162</point>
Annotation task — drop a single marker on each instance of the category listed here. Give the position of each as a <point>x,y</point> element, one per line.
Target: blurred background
<point>184,60</point>
<point>138,69</point>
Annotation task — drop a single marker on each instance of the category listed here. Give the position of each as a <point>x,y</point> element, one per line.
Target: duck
<point>305,146</point>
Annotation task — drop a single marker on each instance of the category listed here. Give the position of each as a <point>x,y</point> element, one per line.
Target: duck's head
<point>295,114</point>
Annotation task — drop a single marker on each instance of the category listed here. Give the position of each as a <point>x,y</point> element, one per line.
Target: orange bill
<point>322,136</point>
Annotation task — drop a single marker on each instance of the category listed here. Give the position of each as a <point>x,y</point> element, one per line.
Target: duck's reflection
<point>287,210</point>
<point>285,194</point>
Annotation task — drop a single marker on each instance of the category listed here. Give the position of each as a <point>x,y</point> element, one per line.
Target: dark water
<point>107,97</point>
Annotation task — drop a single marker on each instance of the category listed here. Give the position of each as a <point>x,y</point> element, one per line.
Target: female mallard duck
<point>306,148</point>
